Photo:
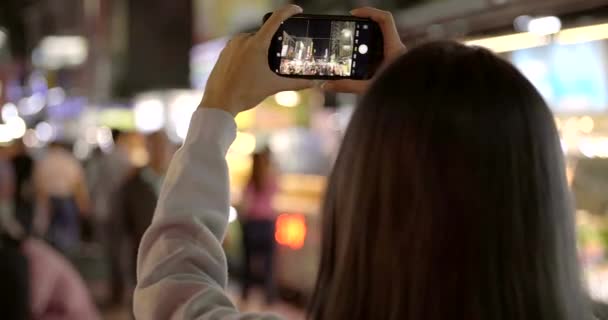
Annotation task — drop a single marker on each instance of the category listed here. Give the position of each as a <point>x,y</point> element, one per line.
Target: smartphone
<point>326,47</point>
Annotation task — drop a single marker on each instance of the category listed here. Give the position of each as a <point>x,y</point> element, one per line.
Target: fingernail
<point>299,8</point>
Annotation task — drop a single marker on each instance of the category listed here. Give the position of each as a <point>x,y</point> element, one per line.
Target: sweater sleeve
<point>181,266</point>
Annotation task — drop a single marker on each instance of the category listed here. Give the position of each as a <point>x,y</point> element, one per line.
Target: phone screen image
<point>323,48</point>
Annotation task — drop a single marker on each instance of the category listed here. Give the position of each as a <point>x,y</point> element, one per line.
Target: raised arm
<point>181,268</point>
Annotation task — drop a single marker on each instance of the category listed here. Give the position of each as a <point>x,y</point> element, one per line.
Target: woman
<point>63,198</point>
<point>448,199</point>
<point>258,225</point>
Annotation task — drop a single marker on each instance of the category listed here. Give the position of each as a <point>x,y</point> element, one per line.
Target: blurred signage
<point>571,77</point>
<point>117,117</point>
<point>202,60</point>
<point>55,52</point>
<point>70,108</point>
<point>215,19</point>
<point>168,110</point>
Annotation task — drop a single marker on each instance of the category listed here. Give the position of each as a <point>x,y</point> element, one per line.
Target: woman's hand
<point>241,79</point>
<point>393,48</point>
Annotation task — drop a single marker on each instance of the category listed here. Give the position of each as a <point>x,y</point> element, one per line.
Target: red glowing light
<point>291,230</point>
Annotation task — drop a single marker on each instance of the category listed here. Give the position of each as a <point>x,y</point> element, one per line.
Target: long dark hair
<point>449,199</point>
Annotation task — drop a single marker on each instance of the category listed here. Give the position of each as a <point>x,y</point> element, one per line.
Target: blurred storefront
<point>215,19</point>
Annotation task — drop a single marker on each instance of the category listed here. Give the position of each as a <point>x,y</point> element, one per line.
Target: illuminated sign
<point>572,78</point>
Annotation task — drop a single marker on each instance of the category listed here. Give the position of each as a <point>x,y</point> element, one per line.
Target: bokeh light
<point>287,98</point>
<point>17,127</point>
<point>291,230</point>
<point>45,132</point>
<point>149,115</point>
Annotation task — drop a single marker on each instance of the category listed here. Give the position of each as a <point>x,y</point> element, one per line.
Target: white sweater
<point>181,266</point>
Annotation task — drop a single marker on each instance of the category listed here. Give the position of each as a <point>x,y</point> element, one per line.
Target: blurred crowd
<point>69,226</point>
<point>73,227</point>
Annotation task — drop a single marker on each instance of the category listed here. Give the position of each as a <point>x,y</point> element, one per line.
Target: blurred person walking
<point>448,199</point>
<point>134,205</point>
<point>258,225</point>
<point>106,172</point>
<point>62,198</point>
<point>24,196</point>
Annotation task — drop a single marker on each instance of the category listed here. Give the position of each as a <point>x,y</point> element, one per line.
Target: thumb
<point>296,84</point>
<point>346,86</point>
<point>303,84</point>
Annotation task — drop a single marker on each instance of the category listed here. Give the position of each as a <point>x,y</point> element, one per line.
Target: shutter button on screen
<point>363,49</point>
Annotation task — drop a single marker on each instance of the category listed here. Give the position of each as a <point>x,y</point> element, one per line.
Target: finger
<point>384,19</point>
<point>243,35</point>
<point>273,23</point>
<point>236,41</point>
<point>295,84</point>
<point>346,86</point>
<point>302,84</point>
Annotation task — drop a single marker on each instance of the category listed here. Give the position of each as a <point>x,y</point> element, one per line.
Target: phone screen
<point>326,47</point>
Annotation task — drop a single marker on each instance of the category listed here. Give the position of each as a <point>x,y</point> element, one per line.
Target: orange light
<point>291,230</point>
